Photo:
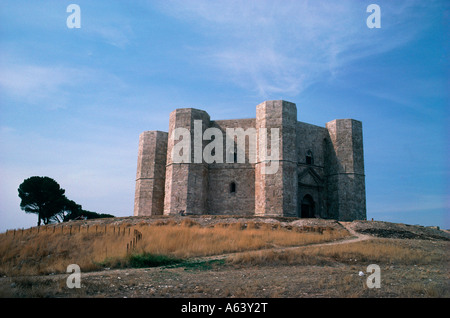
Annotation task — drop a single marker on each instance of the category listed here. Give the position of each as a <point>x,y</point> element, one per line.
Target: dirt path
<point>354,237</point>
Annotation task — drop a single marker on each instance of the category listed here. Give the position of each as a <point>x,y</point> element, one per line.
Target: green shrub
<point>151,260</point>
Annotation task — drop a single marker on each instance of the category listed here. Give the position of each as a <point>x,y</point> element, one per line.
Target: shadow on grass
<point>145,260</point>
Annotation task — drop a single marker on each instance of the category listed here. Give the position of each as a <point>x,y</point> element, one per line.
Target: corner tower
<point>276,193</point>
<point>151,170</point>
<point>186,182</point>
<point>345,170</point>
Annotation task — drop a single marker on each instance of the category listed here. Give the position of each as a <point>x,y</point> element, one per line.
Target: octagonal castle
<point>320,170</point>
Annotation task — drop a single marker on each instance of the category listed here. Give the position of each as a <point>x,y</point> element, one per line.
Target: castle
<point>319,170</point>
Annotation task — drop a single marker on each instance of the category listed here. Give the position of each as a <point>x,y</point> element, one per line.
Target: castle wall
<point>311,176</point>
<point>221,175</point>
<point>320,169</point>
<point>221,201</point>
<point>310,137</point>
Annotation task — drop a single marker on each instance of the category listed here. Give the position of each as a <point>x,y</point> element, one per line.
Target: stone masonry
<point>320,169</point>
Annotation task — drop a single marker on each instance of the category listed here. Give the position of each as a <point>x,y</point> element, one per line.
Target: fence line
<point>137,236</point>
<point>68,229</point>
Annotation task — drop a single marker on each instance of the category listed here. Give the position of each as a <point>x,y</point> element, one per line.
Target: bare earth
<point>213,277</point>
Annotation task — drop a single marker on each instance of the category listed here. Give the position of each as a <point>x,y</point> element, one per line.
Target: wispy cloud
<point>282,48</point>
<point>116,36</point>
<point>34,83</point>
<point>52,86</point>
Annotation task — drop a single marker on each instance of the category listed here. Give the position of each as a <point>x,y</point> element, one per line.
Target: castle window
<point>309,158</point>
<point>232,187</point>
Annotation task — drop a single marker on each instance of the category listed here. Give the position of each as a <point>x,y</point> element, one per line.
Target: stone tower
<point>151,171</point>
<point>186,182</point>
<point>345,170</point>
<point>276,193</point>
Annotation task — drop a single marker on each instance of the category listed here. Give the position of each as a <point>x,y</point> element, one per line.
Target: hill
<point>216,256</point>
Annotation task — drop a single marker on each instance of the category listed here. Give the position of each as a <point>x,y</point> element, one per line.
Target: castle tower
<point>345,170</point>
<point>186,182</point>
<point>276,193</point>
<point>151,170</point>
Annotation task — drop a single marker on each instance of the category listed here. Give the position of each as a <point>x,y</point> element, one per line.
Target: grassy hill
<point>94,244</point>
<point>414,255</point>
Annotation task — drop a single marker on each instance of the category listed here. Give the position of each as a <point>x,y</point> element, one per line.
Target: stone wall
<point>221,200</point>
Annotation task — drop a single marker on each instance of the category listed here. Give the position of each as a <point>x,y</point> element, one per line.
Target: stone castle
<point>320,170</point>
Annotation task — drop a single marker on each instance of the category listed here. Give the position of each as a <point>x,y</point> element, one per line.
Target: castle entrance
<point>307,207</point>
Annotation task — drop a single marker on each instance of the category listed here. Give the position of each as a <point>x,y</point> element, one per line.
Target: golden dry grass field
<point>213,257</point>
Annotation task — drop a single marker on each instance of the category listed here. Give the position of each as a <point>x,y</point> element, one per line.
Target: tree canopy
<point>44,197</point>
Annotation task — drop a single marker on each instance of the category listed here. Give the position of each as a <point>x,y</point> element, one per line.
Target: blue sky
<point>74,101</point>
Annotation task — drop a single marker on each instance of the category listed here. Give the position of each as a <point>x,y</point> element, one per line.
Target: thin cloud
<point>282,48</point>
<point>53,86</point>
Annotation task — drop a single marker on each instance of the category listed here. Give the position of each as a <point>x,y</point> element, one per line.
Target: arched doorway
<point>307,207</point>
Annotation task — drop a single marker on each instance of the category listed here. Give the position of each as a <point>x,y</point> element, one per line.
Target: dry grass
<point>52,249</point>
<point>191,240</point>
<point>379,251</point>
<point>410,268</point>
